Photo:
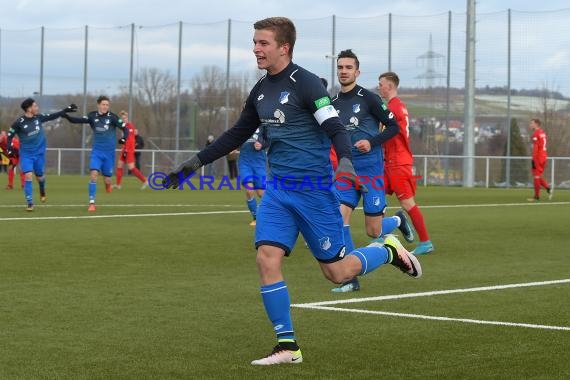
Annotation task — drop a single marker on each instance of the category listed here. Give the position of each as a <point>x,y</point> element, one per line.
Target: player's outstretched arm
<point>63,113</point>
<point>76,120</point>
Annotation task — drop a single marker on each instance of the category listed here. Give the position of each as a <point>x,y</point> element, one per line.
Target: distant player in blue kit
<point>252,164</point>
<point>29,130</point>
<point>294,107</point>
<point>104,124</point>
<point>361,112</point>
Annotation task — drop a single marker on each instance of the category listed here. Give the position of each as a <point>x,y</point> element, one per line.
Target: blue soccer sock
<point>252,206</point>
<point>389,224</point>
<point>92,191</point>
<point>372,257</point>
<point>28,191</point>
<point>278,308</point>
<point>347,238</point>
<point>42,183</point>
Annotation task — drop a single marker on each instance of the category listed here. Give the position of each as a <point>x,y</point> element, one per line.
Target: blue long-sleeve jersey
<point>361,112</point>
<point>30,132</point>
<point>104,128</point>
<point>294,108</point>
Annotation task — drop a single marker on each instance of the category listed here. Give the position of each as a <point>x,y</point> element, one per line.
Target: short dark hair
<point>537,121</point>
<point>284,29</point>
<point>391,76</point>
<point>348,53</point>
<point>27,104</point>
<point>102,98</point>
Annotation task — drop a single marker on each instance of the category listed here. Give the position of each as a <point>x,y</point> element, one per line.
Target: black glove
<point>122,140</point>
<point>182,171</point>
<point>70,108</point>
<point>346,171</point>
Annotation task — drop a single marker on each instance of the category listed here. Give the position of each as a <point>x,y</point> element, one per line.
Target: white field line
<point>322,305</point>
<point>436,318</point>
<point>125,215</point>
<point>122,205</point>
<point>239,205</point>
<point>39,207</point>
<point>434,293</point>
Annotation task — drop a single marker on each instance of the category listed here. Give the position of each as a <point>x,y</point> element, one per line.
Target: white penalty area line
<point>324,305</point>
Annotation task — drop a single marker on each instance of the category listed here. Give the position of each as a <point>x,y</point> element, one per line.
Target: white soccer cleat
<point>405,261</point>
<point>280,356</point>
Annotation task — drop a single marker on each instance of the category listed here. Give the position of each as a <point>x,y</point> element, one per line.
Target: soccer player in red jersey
<point>12,161</point>
<point>398,160</point>
<point>128,154</point>
<point>538,159</point>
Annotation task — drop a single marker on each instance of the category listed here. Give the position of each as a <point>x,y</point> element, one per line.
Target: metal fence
<point>514,50</point>
<point>429,170</point>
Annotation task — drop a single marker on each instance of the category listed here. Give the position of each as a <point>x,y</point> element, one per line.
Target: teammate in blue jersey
<point>294,107</point>
<point>252,164</point>
<point>361,112</point>
<point>104,124</point>
<point>30,132</point>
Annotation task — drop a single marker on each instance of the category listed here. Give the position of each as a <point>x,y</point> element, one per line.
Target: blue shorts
<point>374,201</point>
<point>33,162</point>
<point>104,162</point>
<point>282,214</point>
<point>252,174</point>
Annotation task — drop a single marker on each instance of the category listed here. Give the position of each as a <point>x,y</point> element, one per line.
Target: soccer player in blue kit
<point>252,165</point>
<point>28,128</point>
<point>294,107</point>
<point>104,124</point>
<point>362,112</point>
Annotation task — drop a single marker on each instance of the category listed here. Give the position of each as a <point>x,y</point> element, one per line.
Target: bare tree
<point>155,102</point>
<point>555,122</point>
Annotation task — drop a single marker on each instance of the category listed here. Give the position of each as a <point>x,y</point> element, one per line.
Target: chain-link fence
<point>182,82</point>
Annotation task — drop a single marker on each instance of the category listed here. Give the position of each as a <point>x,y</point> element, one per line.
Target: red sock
<point>537,188</point>
<point>119,176</point>
<point>418,222</point>
<point>138,174</point>
<point>11,177</point>
<point>543,183</point>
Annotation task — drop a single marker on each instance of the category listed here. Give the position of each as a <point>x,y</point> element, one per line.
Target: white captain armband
<point>325,113</point>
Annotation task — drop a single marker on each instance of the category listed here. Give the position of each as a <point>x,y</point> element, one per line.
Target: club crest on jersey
<point>325,243</point>
<point>356,108</point>
<point>284,97</point>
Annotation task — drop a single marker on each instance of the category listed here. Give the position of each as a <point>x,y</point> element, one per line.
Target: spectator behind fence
<point>139,144</point>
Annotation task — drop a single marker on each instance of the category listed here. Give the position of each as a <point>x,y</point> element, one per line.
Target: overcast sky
<point>539,57</point>
<point>25,14</point>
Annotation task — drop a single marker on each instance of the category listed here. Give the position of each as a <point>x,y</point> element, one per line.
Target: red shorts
<point>14,161</point>
<point>538,165</point>
<point>400,180</point>
<point>127,156</point>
